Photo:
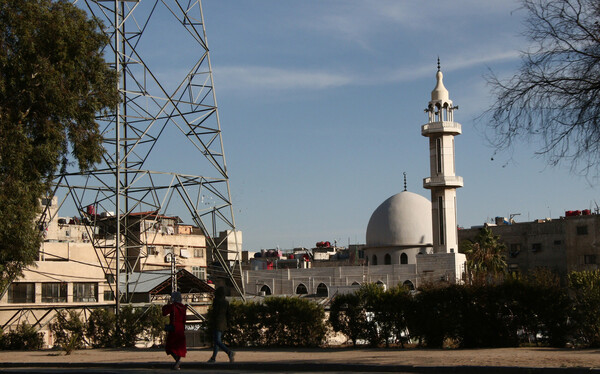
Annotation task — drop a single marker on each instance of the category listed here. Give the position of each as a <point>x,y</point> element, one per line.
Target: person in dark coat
<point>176,345</point>
<point>220,311</point>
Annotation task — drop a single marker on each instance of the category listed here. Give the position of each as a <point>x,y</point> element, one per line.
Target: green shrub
<point>278,321</point>
<point>585,287</point>
<point>154,322</point>
<point>130,326</point>
<point>293,322</point>
<point>68,330</point>
<point>25,337</point>
<point>246,324</point>
<point>100,328</point>
<point>347,315</point>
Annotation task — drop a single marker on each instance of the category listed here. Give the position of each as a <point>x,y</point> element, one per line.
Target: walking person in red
<point>175,346</point>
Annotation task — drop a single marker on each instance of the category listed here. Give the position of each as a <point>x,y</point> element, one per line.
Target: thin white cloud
<point>270,78</point>
<point>359,21</point>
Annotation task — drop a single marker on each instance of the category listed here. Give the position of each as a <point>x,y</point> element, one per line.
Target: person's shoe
<point>211,361</point>
<point>177,363</point>
<point>231,356</point>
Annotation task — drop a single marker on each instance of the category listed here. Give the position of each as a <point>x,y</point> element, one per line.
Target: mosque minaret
<point>443,182</point>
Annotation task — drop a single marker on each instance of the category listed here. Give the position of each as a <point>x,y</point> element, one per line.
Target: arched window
<point>374,260</point>
<point>381,284</point>
<point>408,284</point>
<point>403,259</point>
<point>322,290</point>
<point>266,290</point>
<point>355,284</point>
<point>387,260</point>
<point>301,289</point>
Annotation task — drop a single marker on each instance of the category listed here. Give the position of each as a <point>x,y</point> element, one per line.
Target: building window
<point>513,268</point>
<point>109,295</point>
<point>387,260</point>
<point>199,252</point>
<point>374,260</point>
<point>85,292</point>
<point>409,285</point>
<point>54,292</point>
<point>199,272</point>
<point>557,242</point>
<point>403,259</point>
<point>21,293</point>
<point>582,230</point>
<point>322,290</point>
<point>301,289</point>
<point>441,219</point>
<point>589,259</point>
<point>515,249</point>
<point>266,290</point>
<point>438,149</point>
<point>536,247</point>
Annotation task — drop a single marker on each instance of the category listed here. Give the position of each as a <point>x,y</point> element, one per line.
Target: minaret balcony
<point>441,128</point>
<point>444,181</point>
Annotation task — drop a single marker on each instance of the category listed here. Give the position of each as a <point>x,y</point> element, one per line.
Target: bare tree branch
<point>554,98</point>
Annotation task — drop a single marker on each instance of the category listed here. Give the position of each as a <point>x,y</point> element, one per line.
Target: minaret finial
<point>404,181</point>
<point>439,67</point>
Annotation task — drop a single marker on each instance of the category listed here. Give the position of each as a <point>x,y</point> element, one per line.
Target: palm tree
<point>485,255</point>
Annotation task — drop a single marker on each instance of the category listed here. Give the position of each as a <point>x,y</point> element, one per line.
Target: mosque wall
<point>440,267</point>
<point>290,281</point>
<point>327,281</point>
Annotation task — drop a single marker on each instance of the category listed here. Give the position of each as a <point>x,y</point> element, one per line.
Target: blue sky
<point>321,104</point>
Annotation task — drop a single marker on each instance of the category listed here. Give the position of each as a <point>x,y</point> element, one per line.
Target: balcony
<point>441,128</point>
<point>448,181</point>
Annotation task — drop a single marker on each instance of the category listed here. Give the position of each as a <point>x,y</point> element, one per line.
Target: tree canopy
<point>554,98</point>
<point>485,256</point>
<point>53,82</point>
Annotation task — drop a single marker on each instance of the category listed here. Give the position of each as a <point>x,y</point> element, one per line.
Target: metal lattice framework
<point>164,150</point>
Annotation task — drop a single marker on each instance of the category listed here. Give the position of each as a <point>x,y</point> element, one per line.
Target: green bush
<point>154,322</point>
<point>347,315</point>
<point>278,321</point>
<point>25,337</point>
<point>68,330</point>
<point>100,328</point>
<point>246,324</point>
<point>131,325</point>
<point>585,287</point>
<point>294,322</point>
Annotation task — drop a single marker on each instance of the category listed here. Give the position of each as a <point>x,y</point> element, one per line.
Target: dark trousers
<point>217,343</point>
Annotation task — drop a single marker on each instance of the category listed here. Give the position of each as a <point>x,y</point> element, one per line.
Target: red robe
<point>176,339</point>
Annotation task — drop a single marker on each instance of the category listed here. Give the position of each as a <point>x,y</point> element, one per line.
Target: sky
<point>321,105</point>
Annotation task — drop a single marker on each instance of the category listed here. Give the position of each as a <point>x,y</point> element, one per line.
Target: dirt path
<point>514,357</point>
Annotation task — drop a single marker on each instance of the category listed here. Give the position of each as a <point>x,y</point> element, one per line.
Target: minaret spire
<point>443,182</point>
<point>404,181</point>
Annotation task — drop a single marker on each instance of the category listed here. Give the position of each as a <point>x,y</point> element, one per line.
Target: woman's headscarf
<point>176,297</point>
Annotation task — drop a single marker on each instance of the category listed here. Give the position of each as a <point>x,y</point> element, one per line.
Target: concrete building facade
<point>563,245</point>
<point>71,273</point>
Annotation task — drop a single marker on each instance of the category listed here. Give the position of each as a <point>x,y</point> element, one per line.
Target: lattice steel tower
<point>164,150</point>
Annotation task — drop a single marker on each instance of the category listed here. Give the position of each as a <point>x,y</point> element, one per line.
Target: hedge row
<point>536,309</point>
<point>70,332</point>
<point>277,321</point>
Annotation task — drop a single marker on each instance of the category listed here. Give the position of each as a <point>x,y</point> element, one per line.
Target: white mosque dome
<point>402,220</point>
